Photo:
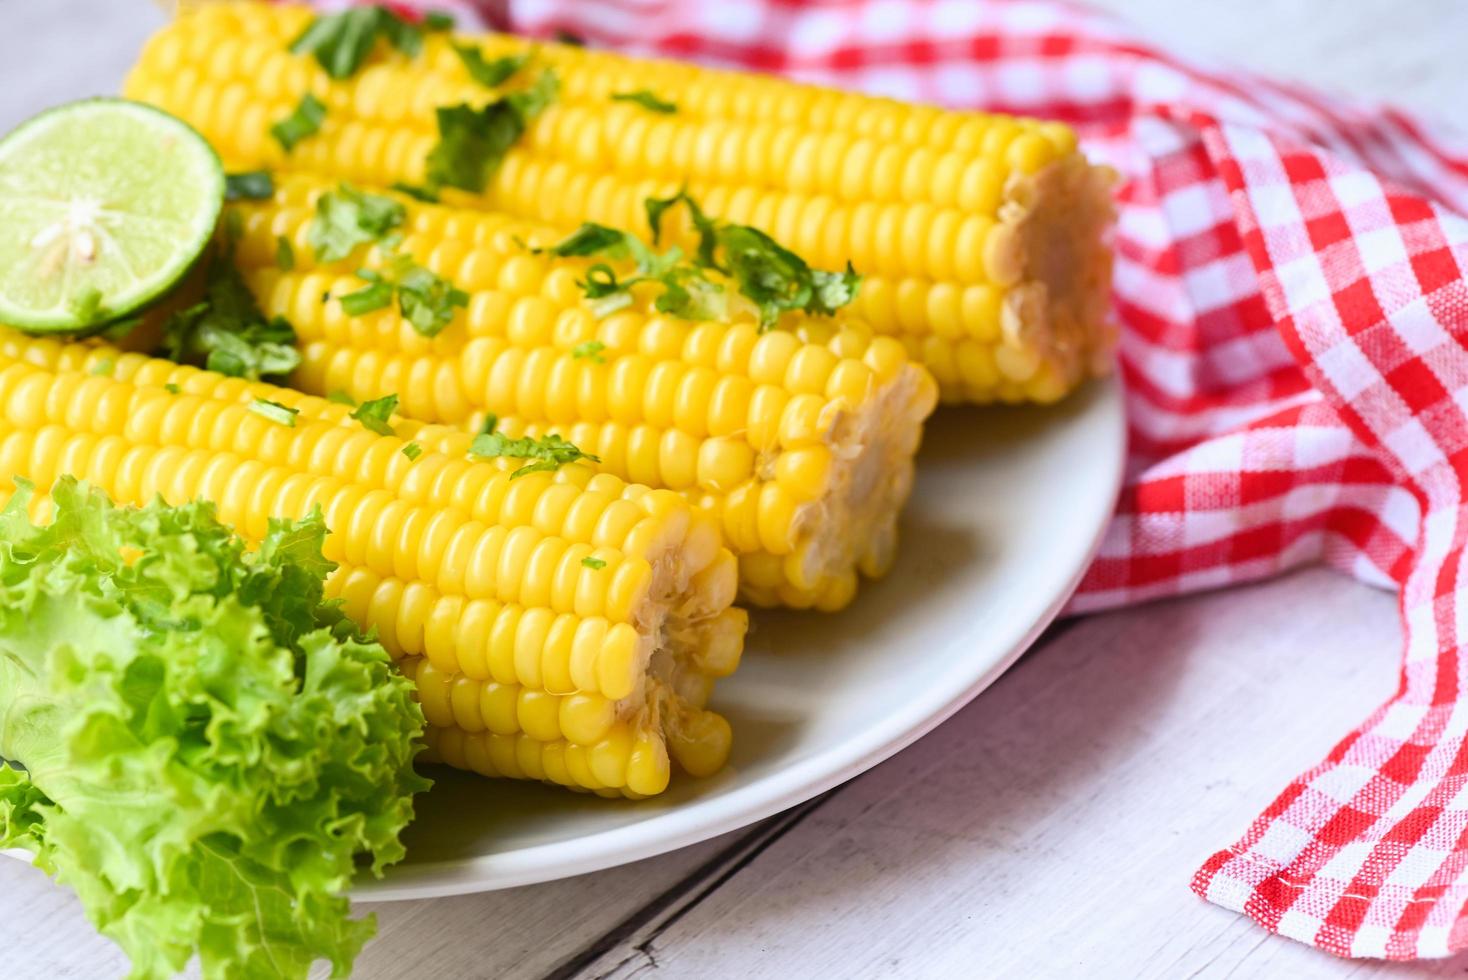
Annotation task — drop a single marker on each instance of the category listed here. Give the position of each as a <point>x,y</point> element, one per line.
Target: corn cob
<point>979,236</point>
<point>563,626</point>
<point>800,443</point>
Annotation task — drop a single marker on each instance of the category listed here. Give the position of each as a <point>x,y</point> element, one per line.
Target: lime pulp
<point>104,205</point>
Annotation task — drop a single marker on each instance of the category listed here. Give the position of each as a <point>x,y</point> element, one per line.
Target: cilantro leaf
<point>548,453</point>
<point>369,299</point>
<point>342,42</point>
<point>304,121</point>
<point>425,194</point>
<point>473,142</point>
<point>437,20</point>
<point>285,254</point>
<point>274,411</point>
<point>341,397</point>
<point>412,450</point>
<point>591,350</point>
<point>227,330</point>
<point>253,185</point>
<point>489,73</point>
<point>647,100</point>
<point>376,414</point>
<point>428,301</point>
<point>347,217</point>
<point>490,423</point>
<point>594,563</point>
<point>706,227</point>
<point>103,367</point>
<point>209,748</point>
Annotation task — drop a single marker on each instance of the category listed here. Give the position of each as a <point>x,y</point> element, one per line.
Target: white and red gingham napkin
<point>1290,281</point>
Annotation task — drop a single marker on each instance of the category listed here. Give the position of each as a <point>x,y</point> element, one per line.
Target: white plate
<point>1007,512</point>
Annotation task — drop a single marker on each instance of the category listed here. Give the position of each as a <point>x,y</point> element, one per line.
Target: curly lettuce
<point>208,747</point>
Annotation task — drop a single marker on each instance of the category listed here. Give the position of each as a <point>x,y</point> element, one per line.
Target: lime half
<point>104,204</point>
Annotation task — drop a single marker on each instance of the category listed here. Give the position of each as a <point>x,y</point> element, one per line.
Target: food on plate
<point>561,624</point>
<point>104,205</point>
<point>799,442</point>
<point>210,751</point>
<point>979,237</point>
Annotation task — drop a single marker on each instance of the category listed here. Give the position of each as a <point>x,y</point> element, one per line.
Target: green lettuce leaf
<point>209,748</point>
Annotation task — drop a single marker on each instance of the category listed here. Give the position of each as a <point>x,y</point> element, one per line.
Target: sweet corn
<point>798,442</point>
<point>980,236</point>
<point>563,626</point>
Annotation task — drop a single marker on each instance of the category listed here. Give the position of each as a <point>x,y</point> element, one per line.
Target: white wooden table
<point>1052,826</point>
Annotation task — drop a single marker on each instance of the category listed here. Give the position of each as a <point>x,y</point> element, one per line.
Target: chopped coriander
<point>647,100</point>
<point>472,142</point>
<point>412,450</point>
<point>777,280</point>
<point>490,423</point>
<point>342,42</point>
<point>228,331</point>
<point>425,300</point>
<point>274,411</point>
<point>171,388</point>
<point>594,563</point>
<point>304,121</point>
<point>549,452</point>
<point>103,367</point>
<point>428,301</point>
<point>376,414</point>
<point>341,398</point>
<point>369,299</point>
<point>86,305</point>
<point>425,194</point>
<point>686,290</point>
<point>252,185</point>
<point>347,217</point>
<point>438,20</point>
<point>491,73</point>
<point>591,351</point>
<point>285,254</point>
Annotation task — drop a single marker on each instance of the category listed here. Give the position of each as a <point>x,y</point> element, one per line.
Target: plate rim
<point>786,788</point>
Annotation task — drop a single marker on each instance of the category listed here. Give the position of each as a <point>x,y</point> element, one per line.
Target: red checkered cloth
<point>1290,284</point>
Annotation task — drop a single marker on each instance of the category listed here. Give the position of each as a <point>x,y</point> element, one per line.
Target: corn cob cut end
<point>651,710</point>
<point>1051,244</point>
<point>849,528</point>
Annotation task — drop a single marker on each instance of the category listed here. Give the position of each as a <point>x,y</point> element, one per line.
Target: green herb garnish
<point>490,423</point>
<point>412,450</point>
<point>549,452</point>
<point>304,121</point>
<point>427,301</point>
<point>228,331</point>
<point>103,368</point>
<point>437,20</point>
<point>594,563</point>
<point>647,100</point>
<point>342,42</point>
<point>206,751</point>
<point>285,254</point>
<point>376,414</point>
<point>347,217</point>
<point>472,142</point>
<point>274,411</point>
<point>771,277</point>
<point>591,350</point>
<point>171,388</point>
<point>341,398</point>
<point>490,73</point>
<point>253,185</point>
<point>425,194</point>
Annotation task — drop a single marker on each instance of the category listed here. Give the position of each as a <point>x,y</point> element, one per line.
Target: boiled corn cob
<point>562,626</point>
<point>979,236</point>
<point>799,442</point>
